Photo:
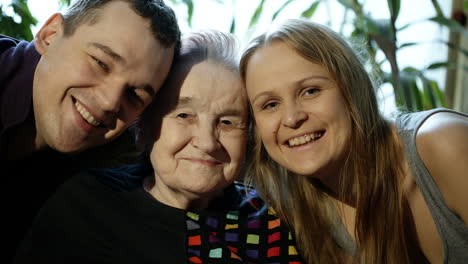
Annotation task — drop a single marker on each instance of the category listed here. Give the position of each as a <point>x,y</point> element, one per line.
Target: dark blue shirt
<point>18,61</point>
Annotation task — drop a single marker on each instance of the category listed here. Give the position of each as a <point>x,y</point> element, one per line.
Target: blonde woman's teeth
<point>86,115</point>
<point>304,139</point>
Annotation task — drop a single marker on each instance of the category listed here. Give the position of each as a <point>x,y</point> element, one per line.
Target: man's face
<point>89,87</point>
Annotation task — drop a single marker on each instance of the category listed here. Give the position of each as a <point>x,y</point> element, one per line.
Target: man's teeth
<point>304,139</point>
<point>86,115</point>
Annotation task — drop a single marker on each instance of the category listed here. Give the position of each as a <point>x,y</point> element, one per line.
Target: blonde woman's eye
<point>311,91</point>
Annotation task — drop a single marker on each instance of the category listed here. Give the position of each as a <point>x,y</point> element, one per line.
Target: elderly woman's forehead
<point>197,76</point>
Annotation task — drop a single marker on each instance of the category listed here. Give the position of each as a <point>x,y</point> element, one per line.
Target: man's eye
<point>134,97</point>
<point>101,64</point>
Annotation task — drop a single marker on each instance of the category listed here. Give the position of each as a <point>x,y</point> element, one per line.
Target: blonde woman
<point>354,187</point>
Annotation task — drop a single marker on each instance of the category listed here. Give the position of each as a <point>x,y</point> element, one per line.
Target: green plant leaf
<point>429,96</point>
<point>257,14</point>
<point>451,24</point>
<point>277,12</point>
<point>409,44</point>
<point>465,5</point>
<point>189,4</point>
<point>377,27</point>
<point>438,65</point>
<point>9,27</point>
<point>63,3</point>
<point>434,97</point>
<point>347,3</point>
<point>409,93</point>
<point>458,48</point>
<point>394,7</point>
<point>232,28</point>
<point>419,92</point>
<point>417,97</point>
<point>437,8</point>
<point>411,70</point>
<point>439,94</point>
<point>21,30</point>
<point>21,8</point>
<point>404,27</point>
<point>309,12</point>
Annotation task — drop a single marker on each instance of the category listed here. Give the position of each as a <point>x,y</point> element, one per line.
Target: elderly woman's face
<point>201,144</point>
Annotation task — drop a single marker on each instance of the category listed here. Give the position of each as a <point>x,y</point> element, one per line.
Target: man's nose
<point>109,96</point>
<point>109,99</point>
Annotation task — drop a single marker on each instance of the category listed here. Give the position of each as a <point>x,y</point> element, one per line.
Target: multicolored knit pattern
<point>256,237</point>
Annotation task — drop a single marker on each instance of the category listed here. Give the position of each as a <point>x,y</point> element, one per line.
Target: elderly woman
<point>189,210</point>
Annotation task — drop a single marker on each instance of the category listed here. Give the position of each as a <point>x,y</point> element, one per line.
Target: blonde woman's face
<point>299,111</point>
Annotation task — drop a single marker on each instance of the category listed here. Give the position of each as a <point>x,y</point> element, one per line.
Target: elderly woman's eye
<point>183,115</point>
<point>226,122</point>
<point>270,105</point>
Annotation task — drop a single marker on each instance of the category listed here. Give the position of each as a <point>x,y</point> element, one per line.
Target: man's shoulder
<point>7,42</point>
<point>9,47</point>
<point>15,52</point>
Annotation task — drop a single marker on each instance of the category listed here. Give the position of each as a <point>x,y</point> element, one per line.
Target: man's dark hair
<point>161,17</point>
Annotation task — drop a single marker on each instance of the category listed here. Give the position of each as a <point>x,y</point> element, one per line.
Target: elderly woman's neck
<point>178,198</point>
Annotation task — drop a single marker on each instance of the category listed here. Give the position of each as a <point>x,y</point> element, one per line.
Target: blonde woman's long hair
<point>369,176</point>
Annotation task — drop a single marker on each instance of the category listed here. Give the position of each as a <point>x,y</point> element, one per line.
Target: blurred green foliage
<point>16,19</point>
<point>10,26</point>
<point>413,89</point>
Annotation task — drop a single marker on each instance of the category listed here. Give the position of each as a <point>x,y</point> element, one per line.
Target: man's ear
<point>52,29</point>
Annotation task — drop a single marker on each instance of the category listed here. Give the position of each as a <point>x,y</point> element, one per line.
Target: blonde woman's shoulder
<point>442,143</point>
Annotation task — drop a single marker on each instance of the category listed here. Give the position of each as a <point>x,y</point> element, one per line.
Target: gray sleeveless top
<point>452,231</point>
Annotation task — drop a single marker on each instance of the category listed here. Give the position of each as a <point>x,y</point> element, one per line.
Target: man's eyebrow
<point>107,50</point>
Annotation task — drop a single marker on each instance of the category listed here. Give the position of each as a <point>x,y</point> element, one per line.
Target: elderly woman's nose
<point>206,138</point>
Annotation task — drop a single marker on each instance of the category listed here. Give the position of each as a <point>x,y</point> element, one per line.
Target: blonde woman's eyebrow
<point>260,95</point>
<point>313,77</point>
<point>296,83</point>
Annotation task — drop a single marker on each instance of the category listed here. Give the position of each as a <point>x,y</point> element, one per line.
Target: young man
<point>83,80</point>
